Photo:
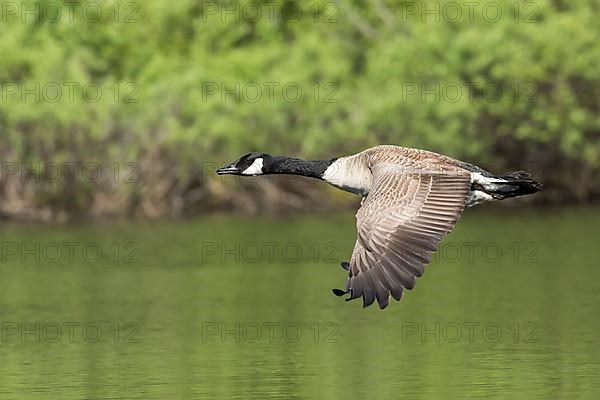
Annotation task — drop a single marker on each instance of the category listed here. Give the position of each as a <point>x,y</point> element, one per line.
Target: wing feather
<point>399,225</point>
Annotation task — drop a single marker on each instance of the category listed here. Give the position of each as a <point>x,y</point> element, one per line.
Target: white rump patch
<point>477,197</point>
<point>255,168</point>
<point>480,196</point>
<point>485,181</point>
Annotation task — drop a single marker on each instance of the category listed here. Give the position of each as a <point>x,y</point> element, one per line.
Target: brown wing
<point>399,225</point>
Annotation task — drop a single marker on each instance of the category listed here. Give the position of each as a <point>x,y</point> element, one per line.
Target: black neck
<point>295,166</point>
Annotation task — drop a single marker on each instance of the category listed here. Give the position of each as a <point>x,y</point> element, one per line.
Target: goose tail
<point>519,183</point>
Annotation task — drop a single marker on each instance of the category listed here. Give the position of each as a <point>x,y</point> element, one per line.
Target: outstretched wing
<point>399,225</point>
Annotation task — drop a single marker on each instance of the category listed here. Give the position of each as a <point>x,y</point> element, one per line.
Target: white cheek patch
<point>255,168</point>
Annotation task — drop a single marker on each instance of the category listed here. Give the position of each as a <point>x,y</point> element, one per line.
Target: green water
<point>232,307</point>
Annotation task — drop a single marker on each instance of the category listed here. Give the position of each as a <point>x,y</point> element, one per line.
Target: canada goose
<point>410,200</point>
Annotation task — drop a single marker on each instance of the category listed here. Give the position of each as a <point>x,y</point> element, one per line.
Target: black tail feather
<point>518,183</point>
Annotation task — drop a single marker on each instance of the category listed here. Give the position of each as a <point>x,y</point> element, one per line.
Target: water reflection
<point>473,327</point>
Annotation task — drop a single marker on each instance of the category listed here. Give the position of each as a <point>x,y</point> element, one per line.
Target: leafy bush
<point>519,92</point>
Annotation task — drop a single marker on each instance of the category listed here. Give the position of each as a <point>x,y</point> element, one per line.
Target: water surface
<point>235,307</point>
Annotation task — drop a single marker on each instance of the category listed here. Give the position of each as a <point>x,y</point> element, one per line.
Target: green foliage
<point>518,92</point>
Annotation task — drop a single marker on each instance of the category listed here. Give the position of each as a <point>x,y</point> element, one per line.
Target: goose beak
<point>230,169</point>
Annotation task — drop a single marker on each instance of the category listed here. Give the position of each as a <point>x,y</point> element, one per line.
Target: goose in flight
<point>411,199</point>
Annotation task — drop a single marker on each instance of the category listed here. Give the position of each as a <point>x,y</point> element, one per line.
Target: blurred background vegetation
<point>518,91</point>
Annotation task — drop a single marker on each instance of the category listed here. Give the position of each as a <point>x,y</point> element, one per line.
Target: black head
<point>248,164</point>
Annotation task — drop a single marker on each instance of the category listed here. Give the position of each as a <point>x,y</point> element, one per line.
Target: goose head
<point>248,164</point>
